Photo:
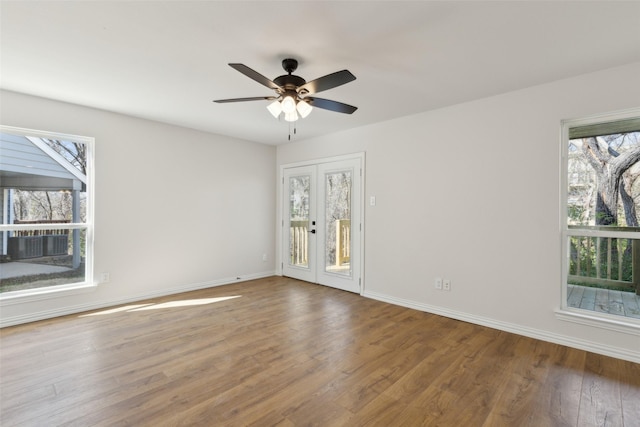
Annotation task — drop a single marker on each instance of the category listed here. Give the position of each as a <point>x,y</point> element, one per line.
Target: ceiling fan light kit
<point>288,104</point>
<point>275,108</point>
<point>292,100</point>
<point>304,109</point>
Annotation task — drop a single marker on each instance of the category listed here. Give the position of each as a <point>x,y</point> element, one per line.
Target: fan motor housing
<point>289,81</point>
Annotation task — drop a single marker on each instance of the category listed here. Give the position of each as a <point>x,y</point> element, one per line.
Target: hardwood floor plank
<point>390,368</point>
<point>522,388</point>
<point>382,411</point>
<point>600,400</point>
<point>558,400</point>
<point>630,393</point>
<point>280,352</point>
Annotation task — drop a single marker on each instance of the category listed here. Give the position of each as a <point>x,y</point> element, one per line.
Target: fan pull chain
<point>295,128</point>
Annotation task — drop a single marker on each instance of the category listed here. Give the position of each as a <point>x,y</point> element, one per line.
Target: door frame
<point>280,214</point>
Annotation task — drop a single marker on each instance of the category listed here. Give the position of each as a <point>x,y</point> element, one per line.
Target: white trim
<point>594,347</point>
<point>32,317</point>
<point>594,319</point>
<point>45,134</point>
<point>600,320</point>
<point>306,273</point>
<point>361,155</point>
<point>55,226</point>
<point>600,118</point>
<point>89,181</point>
<point>45,293</point>
<point>358,155</point>
<point>602,233</point>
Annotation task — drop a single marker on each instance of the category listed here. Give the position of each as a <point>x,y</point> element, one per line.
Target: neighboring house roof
<point>28,163</point>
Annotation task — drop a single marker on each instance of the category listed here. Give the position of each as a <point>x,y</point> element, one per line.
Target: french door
<point>321,233</point>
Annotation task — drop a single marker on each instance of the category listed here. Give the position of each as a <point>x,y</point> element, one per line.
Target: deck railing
<point>54,232</point>
<point>299,242</point>
<point>343,241</point>
<point>606,261</point>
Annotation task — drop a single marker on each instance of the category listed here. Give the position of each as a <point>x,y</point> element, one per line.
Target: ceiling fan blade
<point>328,82</point>
<point>327,104</point>
<point>252,74</point>
<point>255,98</point>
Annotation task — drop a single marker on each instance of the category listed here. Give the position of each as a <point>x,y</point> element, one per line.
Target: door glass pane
<point>338,222</point>
<point>299,192</point>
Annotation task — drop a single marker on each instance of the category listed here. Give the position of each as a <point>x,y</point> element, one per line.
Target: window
<point>46,218</point>
<point>601,232</point>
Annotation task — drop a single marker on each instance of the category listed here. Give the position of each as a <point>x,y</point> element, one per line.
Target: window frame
<point>564,312</point>
<point>88,284</point>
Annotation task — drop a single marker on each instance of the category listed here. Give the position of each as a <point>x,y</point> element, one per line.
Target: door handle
<point>312,231</point>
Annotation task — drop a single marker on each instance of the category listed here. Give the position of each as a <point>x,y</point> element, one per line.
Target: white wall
<point>176,209</point>
<point>444,207</point>
<point>471,193</point>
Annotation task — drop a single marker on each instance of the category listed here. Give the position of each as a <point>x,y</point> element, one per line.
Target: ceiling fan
<point>292,91</point>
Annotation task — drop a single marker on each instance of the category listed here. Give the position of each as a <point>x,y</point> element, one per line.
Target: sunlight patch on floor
<point>114,310</point>
<point>185,303</point>
<point>156,306</point>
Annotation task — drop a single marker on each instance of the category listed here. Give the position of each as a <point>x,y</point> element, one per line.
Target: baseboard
<point>64,311</point>
<point>618,353</point>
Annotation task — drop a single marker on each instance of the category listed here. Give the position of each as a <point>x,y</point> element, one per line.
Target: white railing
<point>343,241</point>
<point>299,242</point>
<point>605,260</point>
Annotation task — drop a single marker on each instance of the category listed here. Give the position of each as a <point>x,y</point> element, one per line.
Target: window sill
<point>625,325</point>
<point>38,294</point>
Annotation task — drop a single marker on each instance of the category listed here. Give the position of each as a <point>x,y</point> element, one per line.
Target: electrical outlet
<point>105,277</point>
<point>438,283</point>
<point>264,257</point>
<point>446,284</point>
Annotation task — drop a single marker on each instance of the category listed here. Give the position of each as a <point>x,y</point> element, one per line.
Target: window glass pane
<point>44,207</point>
<point>299,193</point>
<point>601,259</point>
<point>603,185</point>
<point>338,222</point>
<point>44,258</point>
<point>604,275</point>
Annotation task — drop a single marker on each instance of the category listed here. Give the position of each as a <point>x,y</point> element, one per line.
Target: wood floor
<point>279,352</point>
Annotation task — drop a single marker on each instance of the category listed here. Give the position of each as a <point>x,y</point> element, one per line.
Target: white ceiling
<point>167,60</point>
